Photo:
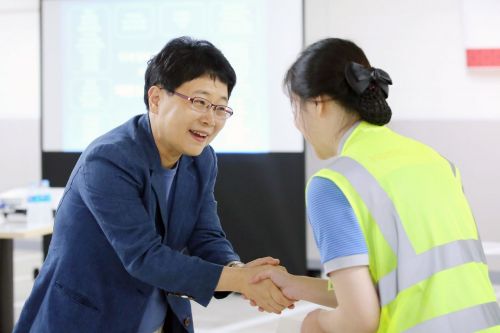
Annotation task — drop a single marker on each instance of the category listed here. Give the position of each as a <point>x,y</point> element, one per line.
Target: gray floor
<point>231,315</point>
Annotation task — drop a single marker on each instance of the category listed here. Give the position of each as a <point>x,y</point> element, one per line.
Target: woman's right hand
<point>264,293</point>
<point>282,279</point>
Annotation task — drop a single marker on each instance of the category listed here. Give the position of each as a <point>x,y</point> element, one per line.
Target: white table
<point>14,226</point>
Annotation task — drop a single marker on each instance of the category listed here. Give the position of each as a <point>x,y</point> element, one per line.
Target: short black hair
<point>184,59</point>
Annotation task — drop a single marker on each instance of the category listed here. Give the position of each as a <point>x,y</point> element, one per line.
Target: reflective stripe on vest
<point>485,316</point>
<point>384,213</point>
<point>413,268</point>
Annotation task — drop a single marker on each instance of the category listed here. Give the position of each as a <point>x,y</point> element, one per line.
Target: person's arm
<point>355,299</point>
<point>358,309</point>
<point>110,185</point>
<point>344,254</point>
<point>338,237</point>
<point>314,290</point>
<point>208,241</point>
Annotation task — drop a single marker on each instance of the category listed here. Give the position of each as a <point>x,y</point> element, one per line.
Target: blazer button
<point>187,321</point>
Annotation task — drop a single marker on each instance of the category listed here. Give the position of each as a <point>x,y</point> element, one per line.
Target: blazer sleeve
<point>110,184</point>
<point>208,241</point>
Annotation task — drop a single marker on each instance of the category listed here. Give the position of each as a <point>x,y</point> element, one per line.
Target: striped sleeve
<point>336,230</point>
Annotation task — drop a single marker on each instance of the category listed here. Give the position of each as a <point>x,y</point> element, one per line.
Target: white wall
<point>19,93</point>
<point>422,46</point>
<point>435,98</point>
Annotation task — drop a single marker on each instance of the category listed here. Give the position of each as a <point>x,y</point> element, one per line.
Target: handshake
<point>269,286</point>
<point>263,282</point>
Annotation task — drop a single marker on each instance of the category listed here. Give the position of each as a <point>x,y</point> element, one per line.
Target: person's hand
<point>282,279</point>
<point>260,262</point>
<point>264,294</point>
<point>263,261</point>
<point>278,273</point>
<point>311,323</point>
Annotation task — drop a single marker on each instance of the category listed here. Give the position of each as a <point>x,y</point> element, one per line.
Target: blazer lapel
<point>179,222</point>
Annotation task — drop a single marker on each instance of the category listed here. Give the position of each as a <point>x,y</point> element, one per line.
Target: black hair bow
<point>359,78</point>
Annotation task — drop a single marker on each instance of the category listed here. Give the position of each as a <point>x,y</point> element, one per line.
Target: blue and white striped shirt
<point>338,235</point>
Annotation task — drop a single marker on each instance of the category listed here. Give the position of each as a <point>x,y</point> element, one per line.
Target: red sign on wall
<point>483,57</point>
<point>481,32</point>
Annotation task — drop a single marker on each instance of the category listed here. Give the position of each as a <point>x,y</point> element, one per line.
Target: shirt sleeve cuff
<point>346,262</point>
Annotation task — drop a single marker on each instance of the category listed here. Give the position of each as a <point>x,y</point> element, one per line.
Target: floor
<point>231,315</point>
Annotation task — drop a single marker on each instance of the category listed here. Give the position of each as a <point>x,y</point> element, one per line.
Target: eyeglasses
<point>203,105</point>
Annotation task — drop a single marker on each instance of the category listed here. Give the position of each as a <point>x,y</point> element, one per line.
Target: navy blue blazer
<point>107,253</point>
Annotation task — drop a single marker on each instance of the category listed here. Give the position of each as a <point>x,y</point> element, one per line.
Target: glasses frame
<point>228,112</point>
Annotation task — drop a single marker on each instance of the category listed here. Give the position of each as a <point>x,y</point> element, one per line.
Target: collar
<point>346,136</point>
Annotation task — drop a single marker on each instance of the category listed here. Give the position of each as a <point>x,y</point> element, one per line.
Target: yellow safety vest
<point>425,256</point>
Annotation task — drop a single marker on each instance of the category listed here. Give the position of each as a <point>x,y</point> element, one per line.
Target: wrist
<point>296,287</point>
<point>231,279</point>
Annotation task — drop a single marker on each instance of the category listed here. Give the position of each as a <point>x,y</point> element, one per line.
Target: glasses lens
<point>222,111</point>
<point>200,104</point>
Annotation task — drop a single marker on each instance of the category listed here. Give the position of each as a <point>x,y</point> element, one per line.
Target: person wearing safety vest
<point>396,235</point>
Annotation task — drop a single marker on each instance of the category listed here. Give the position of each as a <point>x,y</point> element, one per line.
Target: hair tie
<point>359,78</point>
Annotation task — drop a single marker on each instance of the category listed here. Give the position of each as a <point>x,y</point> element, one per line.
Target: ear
<point>320,105</point>
<point>154,98</point>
